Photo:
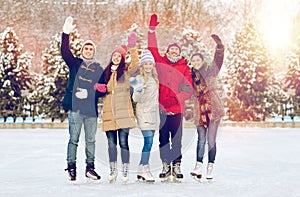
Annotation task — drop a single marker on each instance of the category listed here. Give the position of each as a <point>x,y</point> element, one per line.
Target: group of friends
<point>161,85</point>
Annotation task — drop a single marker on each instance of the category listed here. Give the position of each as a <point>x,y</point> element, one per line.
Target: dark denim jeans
<point>123,142</point>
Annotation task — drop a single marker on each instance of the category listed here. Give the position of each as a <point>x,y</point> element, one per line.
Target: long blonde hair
<point>154,74</point>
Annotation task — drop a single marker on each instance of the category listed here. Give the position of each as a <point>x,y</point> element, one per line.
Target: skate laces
<point>166,167</point>
<point>147,169</point>
<point>125,170</point>
<point>177,168</point>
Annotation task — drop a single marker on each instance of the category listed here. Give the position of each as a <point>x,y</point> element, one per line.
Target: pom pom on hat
<point>122,50</point>
<point>146,56</point>
<point>174,44</point>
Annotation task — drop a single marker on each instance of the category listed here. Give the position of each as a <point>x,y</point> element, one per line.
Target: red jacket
<point>175,81</point>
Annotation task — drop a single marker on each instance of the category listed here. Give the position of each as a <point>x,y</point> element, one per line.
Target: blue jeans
<point>90,127</point>
<point>123,142</point>
<point>171,126</point>
<point>211,134</point>
<point>148,141</point>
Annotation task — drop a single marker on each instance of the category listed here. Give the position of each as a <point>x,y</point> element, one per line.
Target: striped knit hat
<point>146,56</point>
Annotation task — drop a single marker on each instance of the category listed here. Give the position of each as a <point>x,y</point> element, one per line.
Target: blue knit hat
<point>146,56</point>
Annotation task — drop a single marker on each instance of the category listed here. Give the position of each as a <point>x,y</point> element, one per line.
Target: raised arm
<point>219,54</point>
<point>134,64</point>
<point>152,40</point>
<point>65,48</point>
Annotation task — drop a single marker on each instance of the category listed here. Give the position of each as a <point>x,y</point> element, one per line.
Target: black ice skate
<point>71,171</point>
<point>176,172</point>
<point>166,172</point>
<point>90,172</point>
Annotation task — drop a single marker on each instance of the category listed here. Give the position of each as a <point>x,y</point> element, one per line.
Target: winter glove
<point>81,93</point>
<point>132,39</point>
<point>137,83</point>
<point>153,22</point>
<point>185,88</point>
<point>217,40</point>
<point>68,26</point>
<point>100,87</point>
<point>170,102</point>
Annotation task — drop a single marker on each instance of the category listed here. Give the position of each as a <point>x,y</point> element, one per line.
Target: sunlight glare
<point>276,23</point>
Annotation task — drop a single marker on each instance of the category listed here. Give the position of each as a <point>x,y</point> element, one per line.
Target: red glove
<point>132,39</point>
<point>100,87</point>
<point>153,22</point>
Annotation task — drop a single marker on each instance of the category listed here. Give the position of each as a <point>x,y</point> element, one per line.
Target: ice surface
<point>250,162</point>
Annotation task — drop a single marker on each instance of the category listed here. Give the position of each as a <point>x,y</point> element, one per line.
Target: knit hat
<point>146,56</point>
<point>122,50</point>
<point>174,44</point>
<point>88,42</point>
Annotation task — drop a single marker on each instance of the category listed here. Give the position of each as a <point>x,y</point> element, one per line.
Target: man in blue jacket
<point>81,100</point>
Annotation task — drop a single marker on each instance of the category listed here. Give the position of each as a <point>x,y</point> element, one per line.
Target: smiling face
<point>148,67</point>
<point>116,58</point>
<point>196,62</point>
<point>174,51</point>
<point>88,51</point>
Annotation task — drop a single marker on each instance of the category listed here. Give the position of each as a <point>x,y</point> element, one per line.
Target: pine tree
<point>15,79</point>
<point>55,75</point>
<point>293,77</point>
<point>249,77</point>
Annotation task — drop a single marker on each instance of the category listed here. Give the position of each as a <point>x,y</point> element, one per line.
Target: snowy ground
<point>250,162</point>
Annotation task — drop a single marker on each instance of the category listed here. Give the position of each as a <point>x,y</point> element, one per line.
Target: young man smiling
<point>81,100</point>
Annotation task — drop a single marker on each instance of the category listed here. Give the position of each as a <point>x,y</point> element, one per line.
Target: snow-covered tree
<point>15,79</point>
<point>293,77</point>
<point>55,75</point>
<point>249,76</point>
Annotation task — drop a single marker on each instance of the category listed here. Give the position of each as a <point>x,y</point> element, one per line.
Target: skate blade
<point>91,180</point>
<point>142,179</point>
<point>209,180</point>
<point>112,181</point>
<point>72,182</point>
<point>124,182</point>
<point>165,180</point>
<point>197,179</point>
<point>196,176</point>
<point>177,180</point>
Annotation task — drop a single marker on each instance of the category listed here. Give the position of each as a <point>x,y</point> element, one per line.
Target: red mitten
<point>132,39</point>
<point>153,22</point>
<point>100,87</point>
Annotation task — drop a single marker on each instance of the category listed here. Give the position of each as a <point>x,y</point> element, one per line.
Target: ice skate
<point>125,173</point>
<point>144,174</point>
<point>113,172</point>
<point>176,172</point>
<point>197,171</point>
<point>90,172</point>
<point>71,171</point>
<point>209,173</point>
<point>166,172</point>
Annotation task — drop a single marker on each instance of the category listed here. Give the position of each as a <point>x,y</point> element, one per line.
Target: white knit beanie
<point>146,56</point>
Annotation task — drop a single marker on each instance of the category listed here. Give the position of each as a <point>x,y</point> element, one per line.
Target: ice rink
<point>256,162</point>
